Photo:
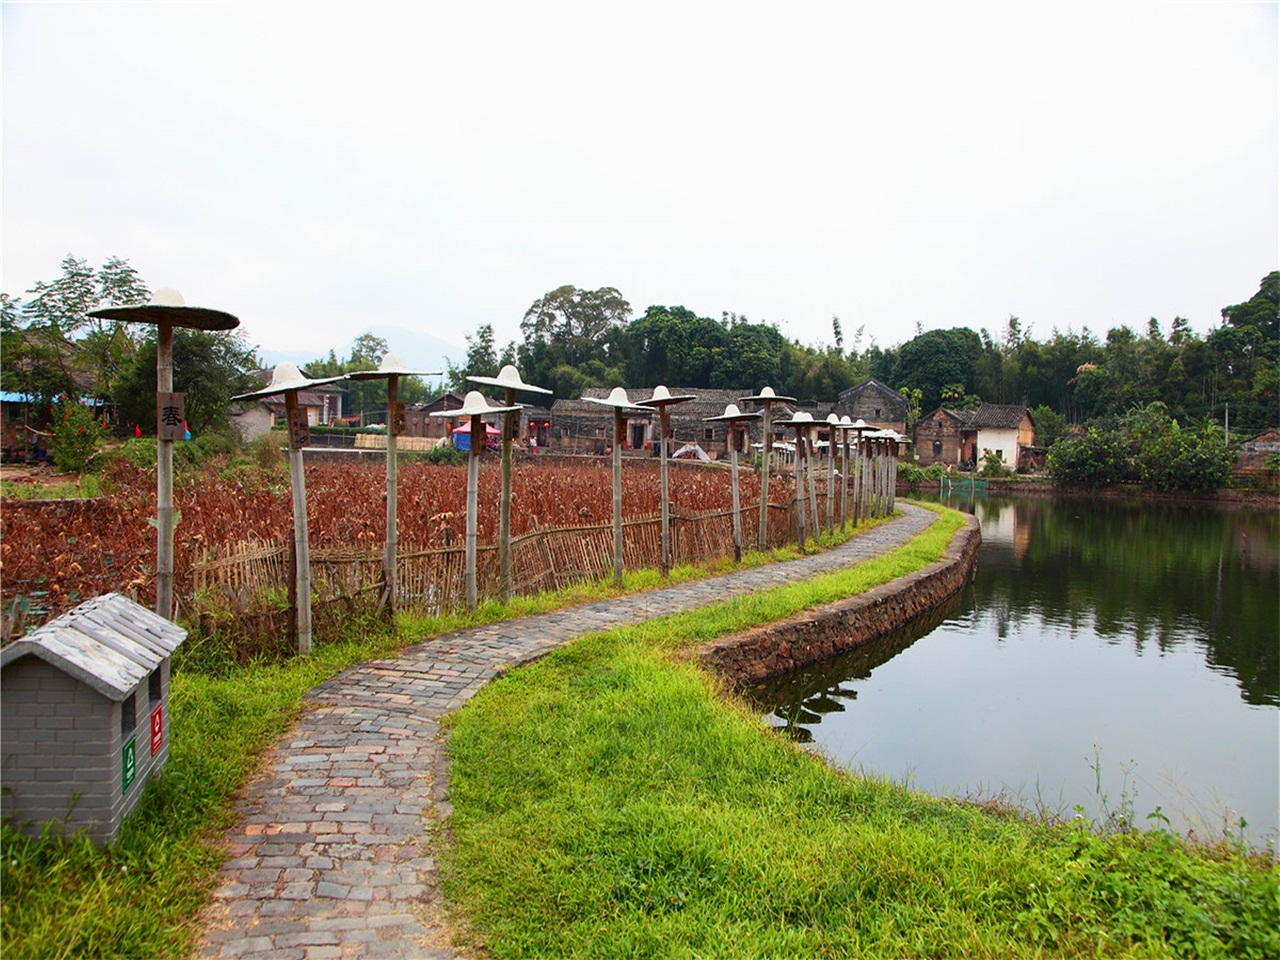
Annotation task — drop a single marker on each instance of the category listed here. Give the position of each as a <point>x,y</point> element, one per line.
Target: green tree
<point>1050,425</point>
<point>481,361</point>
<point>1095,458</point>
<point>1246,354</point>
<point>913,397</point>
<point>575,322</point>
<point>1191,460</point>
<point>51,345</point>
<point>935,358</point>
<point>208,369</point>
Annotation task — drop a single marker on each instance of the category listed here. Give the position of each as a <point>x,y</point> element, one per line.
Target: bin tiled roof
<point>109,643</point>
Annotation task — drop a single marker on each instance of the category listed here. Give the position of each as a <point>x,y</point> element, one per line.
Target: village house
<point>23,428</point>
<point>875,403</point>
<point>940,437</point>
<point>579,426</point>
<point>253,418</point>
<point>961,437</point>
<point>534,421</point>
<point>1004,429</point>
<point>582,427</point>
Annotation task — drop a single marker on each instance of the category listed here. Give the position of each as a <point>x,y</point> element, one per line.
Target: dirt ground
<point>41,473</point>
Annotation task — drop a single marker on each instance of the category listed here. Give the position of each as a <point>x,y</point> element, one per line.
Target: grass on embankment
<point>139,897</point>
<point>610,801</point>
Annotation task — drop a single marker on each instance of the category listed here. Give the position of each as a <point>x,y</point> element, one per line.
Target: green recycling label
<point>129,765</point>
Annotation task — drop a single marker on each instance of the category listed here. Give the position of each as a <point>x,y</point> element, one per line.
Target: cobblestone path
<point>330,857</point>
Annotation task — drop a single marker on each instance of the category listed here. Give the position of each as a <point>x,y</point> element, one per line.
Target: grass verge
<point>139,897</point>
<point>611,801</point>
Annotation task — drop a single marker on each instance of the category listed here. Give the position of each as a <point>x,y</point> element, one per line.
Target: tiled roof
<point>871,383</point>
<point>999,416</point>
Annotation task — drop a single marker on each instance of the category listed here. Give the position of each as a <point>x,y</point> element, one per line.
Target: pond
<point>1113,656</point>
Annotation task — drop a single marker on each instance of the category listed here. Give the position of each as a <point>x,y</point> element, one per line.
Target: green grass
<point>85,486</point>
<point>611,791</point>
<point>139,897</point>
<point>611,801</point>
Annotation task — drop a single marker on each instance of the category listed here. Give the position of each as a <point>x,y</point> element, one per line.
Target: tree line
<point>572,338</point>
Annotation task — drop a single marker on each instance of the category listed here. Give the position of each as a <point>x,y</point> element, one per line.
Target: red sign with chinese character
<point>157,728</point>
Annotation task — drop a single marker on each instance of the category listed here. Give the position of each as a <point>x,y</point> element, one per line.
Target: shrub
<point>76,434</point>
<point>993,466</point>
<point>1095,458</point>
<point>1184,460</point>
<point>266,450</point>
<point>911,473</point>
<point>448,456</point>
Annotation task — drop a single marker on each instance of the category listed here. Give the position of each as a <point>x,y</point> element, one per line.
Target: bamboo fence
<point>250,580</point>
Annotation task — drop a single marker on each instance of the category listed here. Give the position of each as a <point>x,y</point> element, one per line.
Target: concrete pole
<point>389,549</point>
<point>164,479</point>
<point>298,488</point>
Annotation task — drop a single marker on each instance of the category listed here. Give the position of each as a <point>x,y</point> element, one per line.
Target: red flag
<point>137,431</point>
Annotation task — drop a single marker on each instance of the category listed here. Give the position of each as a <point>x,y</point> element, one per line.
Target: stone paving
<point>331,855</point>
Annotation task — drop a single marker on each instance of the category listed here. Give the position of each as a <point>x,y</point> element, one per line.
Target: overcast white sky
<point>317,168</point>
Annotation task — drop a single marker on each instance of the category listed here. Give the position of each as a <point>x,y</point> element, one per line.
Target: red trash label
<point>157,729</point>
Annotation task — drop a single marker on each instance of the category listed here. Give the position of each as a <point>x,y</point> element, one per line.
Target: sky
<point>321,168</point>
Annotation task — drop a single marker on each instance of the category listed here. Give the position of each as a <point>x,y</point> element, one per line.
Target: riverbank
<point>1039,486</point>
<point>612,800</point>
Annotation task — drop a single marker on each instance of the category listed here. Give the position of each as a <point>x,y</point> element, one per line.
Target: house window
<point>877,413</point>
<point>708,433</point>
<point>564,433</point>
<point>600,433</point>
<point>937,448</point>
<point>1000,454</point>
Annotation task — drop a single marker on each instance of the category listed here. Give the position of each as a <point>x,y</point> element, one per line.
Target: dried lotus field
<point>234,533</point>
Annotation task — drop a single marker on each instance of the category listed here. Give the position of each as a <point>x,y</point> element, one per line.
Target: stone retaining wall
<point>814,635</point>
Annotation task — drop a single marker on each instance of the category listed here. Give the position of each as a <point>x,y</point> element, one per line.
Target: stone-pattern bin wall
<point>815,635</point>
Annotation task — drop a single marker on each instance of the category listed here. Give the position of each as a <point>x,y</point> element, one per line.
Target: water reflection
<point>1104,650</point>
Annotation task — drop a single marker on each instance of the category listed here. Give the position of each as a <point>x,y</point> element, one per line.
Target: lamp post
<point>802,422</point>
<point>474,406</point>
<point>766,398</point>
<point>733,417</point>
<point>509,379</point>
<point>167,310</point>
<point>617,399</point>
<point>833,424</point>
<point>392,368</point>
<point>846,426</point>
<point>661,399</point>
<point>859,428</point>
<point>288,380</point>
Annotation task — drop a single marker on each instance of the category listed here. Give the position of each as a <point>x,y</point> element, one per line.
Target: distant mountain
<point>421,351</point>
